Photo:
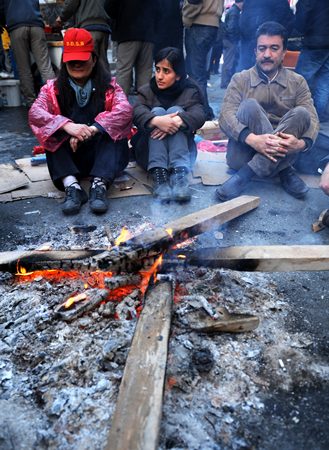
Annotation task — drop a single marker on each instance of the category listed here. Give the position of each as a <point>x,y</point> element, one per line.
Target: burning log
<point>136,421</point>
<point>77,305</point>
<point>122,280</point>
<point>267,258</point>
<point>129,255</point>
<point>46,259</point>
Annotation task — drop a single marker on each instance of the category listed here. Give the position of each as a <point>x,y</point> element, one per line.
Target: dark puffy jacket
<point>231,29</point>
<point>312,20</point>
<point>190,100</point>
<point>133,20</point>
<point>256,12</point>
<point>21,13</point>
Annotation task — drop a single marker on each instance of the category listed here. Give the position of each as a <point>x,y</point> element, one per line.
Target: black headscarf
<point>168,96</point>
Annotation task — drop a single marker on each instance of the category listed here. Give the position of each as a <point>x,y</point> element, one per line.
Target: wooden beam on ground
<point>137,417</point>
<point>62,258</point>
<point>266,258</point>
<point>129,255</point>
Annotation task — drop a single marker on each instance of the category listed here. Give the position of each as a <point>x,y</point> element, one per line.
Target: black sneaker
<point>292,184</point>
<point>98,199</point>
<point>231,188</point>
<point>179,183</point>
<point>74,199</point>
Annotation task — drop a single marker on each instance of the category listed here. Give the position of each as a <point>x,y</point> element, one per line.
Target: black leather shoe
<point>180,184</point>
<point>231,188</point>
<point>292,184</point>
<point>161,188</point>
<point>74,199</point>
<point>98,199</point>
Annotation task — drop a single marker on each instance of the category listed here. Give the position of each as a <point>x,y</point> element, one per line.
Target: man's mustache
<point>267,60</point>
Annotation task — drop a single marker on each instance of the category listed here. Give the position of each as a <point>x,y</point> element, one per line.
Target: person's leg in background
<point>198,42</point>
<point>127,53</point>
<point>39,49</point>
<point>20,44</point>
<point>313,65</point>
<point>144,64</point>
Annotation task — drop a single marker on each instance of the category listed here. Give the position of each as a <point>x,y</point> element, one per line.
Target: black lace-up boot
<point>180,184</point>
<point>74,199</point>
<point>161,188</point>
<point>98,196</point>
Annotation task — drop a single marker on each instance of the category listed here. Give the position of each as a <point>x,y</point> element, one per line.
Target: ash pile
<point>60,379</point>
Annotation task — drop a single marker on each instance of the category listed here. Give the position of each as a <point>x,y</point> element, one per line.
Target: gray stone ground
<point>280,219</point>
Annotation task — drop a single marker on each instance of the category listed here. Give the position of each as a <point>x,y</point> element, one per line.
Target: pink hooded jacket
<point>45,116</point>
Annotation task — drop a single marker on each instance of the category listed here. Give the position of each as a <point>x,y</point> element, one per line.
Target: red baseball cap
<point>78,45</point>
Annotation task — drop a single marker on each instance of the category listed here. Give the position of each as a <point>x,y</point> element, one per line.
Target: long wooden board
<point>136,421</point>
<point>125,256</point>
<point>266,258</point>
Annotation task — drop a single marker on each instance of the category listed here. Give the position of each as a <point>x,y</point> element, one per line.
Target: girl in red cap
<point>82,118</point>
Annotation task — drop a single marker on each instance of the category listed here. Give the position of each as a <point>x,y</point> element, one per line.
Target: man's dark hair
<point>175,57</point>
<point>101,79</point>
<point>273,29</point>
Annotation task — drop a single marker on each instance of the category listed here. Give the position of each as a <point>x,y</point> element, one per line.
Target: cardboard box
<point>211,131</point>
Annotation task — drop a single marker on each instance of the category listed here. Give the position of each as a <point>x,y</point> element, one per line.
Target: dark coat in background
<point>21,13</point>
<point>254,13</point>
<point>133,20</point>
<point>169,26</point>
<point>312,21</point>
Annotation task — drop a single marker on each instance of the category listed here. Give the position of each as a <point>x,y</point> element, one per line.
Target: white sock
<point>71,180</point>
<point>98,181</point>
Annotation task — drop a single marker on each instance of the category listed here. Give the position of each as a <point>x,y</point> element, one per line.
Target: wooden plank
<point>267,258</point>
<point>137,417</point>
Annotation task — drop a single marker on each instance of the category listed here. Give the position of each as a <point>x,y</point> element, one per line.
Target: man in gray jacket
<point>269,117</point>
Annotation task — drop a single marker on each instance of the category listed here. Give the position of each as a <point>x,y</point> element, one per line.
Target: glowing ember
<point>76,298</point>
<point>123,237</point>
<point>181,256</point>
<point>185,243</point>
<point>88,278</point>
<point>97,279</point>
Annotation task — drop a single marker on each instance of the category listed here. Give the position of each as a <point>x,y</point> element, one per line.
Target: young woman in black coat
<point>168,111</point>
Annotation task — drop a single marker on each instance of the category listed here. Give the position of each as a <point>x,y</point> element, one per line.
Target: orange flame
<point>149,273</point>
<point>170,232</point>
<point>123,236</point>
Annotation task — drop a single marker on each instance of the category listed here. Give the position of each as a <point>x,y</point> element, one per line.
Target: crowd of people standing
<point>170,34</point>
